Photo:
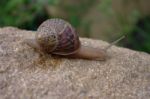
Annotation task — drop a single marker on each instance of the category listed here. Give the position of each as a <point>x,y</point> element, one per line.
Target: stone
<point>25,74</point>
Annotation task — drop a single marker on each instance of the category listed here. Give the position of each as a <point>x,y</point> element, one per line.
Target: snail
<point>58,37</point>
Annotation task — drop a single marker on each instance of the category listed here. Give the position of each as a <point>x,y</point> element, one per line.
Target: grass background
<point>99,19</point>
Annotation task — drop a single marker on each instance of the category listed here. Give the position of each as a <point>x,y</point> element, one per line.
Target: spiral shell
<point>58,37</point>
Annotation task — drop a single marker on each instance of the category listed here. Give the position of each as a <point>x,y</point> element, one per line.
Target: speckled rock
<point>24,74</point>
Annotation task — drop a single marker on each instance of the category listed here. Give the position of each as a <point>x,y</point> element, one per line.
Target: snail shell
<point>58,37</point>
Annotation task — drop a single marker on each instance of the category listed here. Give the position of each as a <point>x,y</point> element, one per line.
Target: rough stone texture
<point>24,74</point>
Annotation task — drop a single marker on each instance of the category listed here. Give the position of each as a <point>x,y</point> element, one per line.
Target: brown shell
<point>58,37</point>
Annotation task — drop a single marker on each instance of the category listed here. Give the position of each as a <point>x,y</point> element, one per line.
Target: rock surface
<point>24,74</point>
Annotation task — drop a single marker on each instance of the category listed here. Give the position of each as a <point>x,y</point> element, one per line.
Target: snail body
<point>56,36</point>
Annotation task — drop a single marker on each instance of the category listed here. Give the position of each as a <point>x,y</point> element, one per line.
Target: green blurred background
<point>99,19</point>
